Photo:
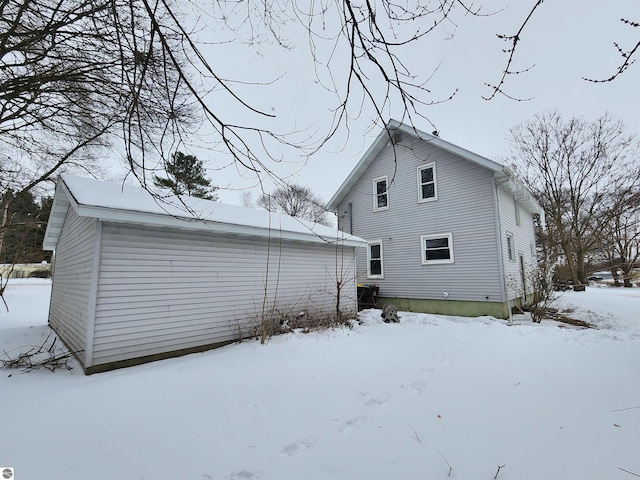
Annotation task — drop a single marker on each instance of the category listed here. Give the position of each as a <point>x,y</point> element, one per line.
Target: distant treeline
<point>23,221</point>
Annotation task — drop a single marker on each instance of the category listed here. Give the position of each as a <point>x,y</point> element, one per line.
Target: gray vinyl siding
<point>523,236</point>
<point>162,290</point>
<point>465,207</point>
<point>70,293</point>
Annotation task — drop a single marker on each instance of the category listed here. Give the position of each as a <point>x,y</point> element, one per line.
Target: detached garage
<point>136,279</point>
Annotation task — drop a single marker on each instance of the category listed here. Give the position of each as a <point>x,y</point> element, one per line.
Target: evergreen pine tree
<point>186,177</point>
<point>22,226</point>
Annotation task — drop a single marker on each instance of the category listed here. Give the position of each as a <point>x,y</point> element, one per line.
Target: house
<point>137,279</point>
<point>448,231</point>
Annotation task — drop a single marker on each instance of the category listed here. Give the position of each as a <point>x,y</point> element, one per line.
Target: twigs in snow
<point>499,467</point>
<point>46,356</point>
<point>445,461</point>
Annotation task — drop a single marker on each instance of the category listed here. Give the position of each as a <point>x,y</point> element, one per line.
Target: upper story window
<point>380,193</point>
<point>427,183</point>
<point>437,248</point>
<point>374,260</point>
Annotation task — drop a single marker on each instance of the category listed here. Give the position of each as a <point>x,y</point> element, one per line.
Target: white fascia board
<point>502,173</point>
<point>447,146</point>
<point>64,198</point>
<point>358,170</point>
<point>381,141</point>
<point>140,218</point>
<point>521,192</point>
<point>61,201</point>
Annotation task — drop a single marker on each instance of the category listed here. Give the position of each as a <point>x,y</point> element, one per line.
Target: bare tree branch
<point>627,56</point>
<point>511,50</point>
<point>577,171</point>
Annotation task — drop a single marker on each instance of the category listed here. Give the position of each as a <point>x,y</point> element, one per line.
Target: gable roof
<point>502,174</point>
<point>127,204</point>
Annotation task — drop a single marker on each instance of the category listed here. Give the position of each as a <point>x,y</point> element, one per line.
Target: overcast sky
<point>565,40</point>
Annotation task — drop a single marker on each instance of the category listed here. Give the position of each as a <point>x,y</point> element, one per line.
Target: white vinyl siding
<point>522,238</point>
<point>427,187</point>
<point>70,292</point>
<point>465,208</point>
<point>162,290</point>
<point>380,193</point>
<point>437,249</point>
<point>375,263</point>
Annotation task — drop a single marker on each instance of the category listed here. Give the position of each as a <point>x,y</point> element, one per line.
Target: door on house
<point>523,278</point>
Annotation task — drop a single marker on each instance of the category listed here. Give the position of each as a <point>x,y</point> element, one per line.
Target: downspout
<point>503,284</point>
<point>350,218</point>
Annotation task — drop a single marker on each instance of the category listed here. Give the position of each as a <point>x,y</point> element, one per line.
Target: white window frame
<point>431,165</point>
<point>423,249</point>
<point>384,178</point>
<point>369,274</point>
<point>511,247</point>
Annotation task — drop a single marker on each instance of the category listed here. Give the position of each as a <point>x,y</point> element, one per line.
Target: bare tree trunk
<point>566,248</point>
<point>626,275</point>
<point>616,277</point>
<point>5,215</point>
<point>338,291</point>
<point>582,278</point>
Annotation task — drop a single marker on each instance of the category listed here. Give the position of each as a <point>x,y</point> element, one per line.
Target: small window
<point>516,207</point>
<point>533,249</point>
<point>380,193</point>
<point>374,260</point>
<point>427,183</point>
<point>511,249</point>
<point>437,248</point>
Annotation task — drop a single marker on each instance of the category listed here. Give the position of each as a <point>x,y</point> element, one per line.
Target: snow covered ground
<point>380,401</point>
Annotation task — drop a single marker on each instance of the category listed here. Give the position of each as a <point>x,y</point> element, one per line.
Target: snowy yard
<point>381,401</point>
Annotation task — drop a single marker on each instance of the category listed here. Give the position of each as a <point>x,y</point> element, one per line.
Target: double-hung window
<point>374,260</point>
<point>427,190</point>
<point>437,248</point>
<point>380,193</point>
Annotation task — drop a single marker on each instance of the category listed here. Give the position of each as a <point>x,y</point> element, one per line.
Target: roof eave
<point>382,139</point>
<point>359,169</point>
<point>520,191</point>
<point>62,199</point>
<point>501,173</point>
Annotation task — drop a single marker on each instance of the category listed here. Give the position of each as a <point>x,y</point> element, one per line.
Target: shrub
<point>42,273</point>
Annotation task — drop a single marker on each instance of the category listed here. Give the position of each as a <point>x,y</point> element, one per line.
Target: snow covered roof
<point>122,203</point>
<point>502,174</point>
